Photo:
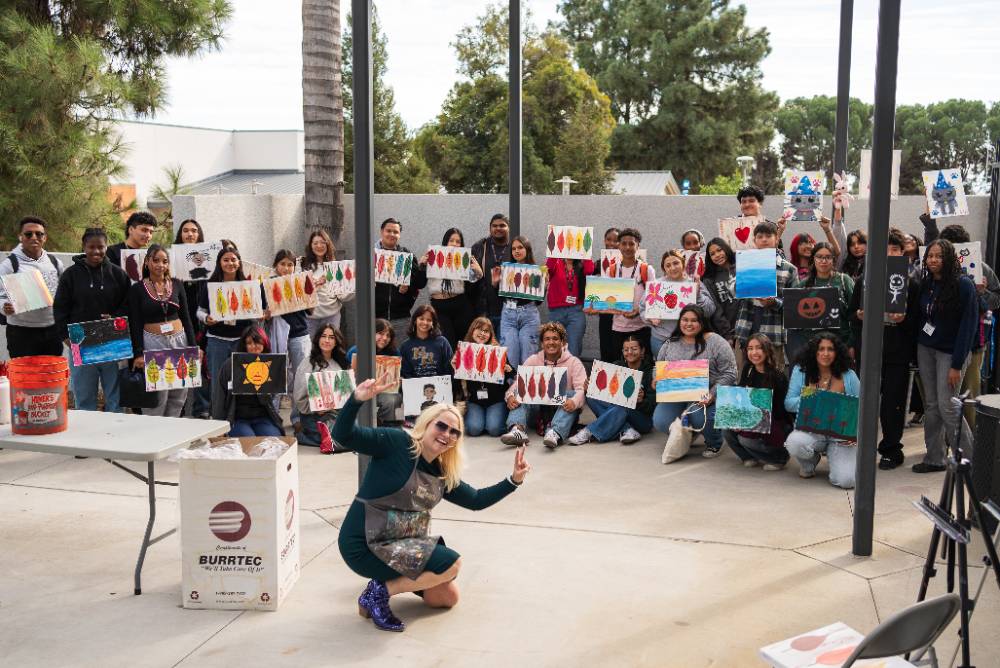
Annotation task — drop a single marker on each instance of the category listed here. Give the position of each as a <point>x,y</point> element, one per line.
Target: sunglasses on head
<point>33,233</point>
<point>445,428</point>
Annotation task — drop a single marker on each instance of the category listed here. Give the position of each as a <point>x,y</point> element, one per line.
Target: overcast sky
<point>947,50</point>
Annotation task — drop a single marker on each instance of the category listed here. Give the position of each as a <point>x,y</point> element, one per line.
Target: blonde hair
<point>451,460</point>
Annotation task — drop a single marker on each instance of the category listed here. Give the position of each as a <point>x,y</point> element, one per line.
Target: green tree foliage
<point>684,81</point>
<point>807,126</point>
<point>723,185</point>
<point>398,168</point>
<point>567,121</point>
<point>66,67</point>
<point>947,134</point>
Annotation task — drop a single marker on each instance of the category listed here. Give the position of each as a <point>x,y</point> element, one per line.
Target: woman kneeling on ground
<point>384,536</point>
<point>825,365</point>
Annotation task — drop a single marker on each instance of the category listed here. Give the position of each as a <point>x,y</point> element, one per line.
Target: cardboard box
<point>239,530</point>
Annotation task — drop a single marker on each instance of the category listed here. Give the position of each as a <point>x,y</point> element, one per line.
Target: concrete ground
<point>604,557</point>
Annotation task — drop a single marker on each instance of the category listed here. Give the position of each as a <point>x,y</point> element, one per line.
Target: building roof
<point>241,182</point>
<point>642,182</point>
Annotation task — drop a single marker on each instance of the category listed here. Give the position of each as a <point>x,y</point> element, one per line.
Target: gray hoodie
<point>41,317</point>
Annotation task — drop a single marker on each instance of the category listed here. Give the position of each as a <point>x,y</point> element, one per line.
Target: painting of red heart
<point>738,232</point>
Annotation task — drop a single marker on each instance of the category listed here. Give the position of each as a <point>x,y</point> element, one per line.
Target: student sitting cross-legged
<point>247,414</point>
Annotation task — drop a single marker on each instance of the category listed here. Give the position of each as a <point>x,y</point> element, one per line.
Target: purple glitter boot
<point>374,604</point>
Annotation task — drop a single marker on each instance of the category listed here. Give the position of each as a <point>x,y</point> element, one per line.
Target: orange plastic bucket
<point>38,387</point>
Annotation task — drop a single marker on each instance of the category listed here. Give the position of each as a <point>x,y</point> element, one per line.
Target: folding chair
<point>909,630</point>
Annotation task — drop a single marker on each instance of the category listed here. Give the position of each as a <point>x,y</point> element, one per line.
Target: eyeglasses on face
<point>33,233</point>
<point>823,258</point>
<point>445,428</point>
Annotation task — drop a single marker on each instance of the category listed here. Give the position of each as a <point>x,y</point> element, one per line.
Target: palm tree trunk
<point>323,116</point>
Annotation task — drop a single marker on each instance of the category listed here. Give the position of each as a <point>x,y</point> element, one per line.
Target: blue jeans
<point>217,353</point>
<point>755,449</point>
<point>85,379</point>
<point>519,332</point>
<point>562,421</point>
<point>611,420</point>
<point>808,448</point>
<point>575,322</point>
<point>256,427</point>
<point>298,350</point>
<point>665,414</point>
<point>489,419</point>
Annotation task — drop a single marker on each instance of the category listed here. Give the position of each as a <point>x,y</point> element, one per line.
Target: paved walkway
<point>604,557</point>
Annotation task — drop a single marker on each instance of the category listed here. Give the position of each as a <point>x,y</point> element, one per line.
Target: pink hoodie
<point>576,374</point>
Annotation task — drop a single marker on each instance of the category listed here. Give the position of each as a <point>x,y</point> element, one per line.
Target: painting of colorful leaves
<point>99,341</point>
<point>193,262</point>
<point>290,293</point>
<point>341,277</point>
<point>570,241</point>
<point>945,193</point>
<point>828,413</point>
<point>449,262</point>
<point>614,384</point>
<point>738,232</point>
<point>422,393</point>
<point>26,291</point>
<point>804,194</point>
<point>329,390</point>
<point>390,365</point>
<point>541,385</point>
<point>522,281</point>
<point>744,408</point>
<point>475,361</point>
<point>663,299</point>
<point>756,274</point>
<point>610,294</point>
<point>681,380</point>
<point>393,267</point>
<point>132,260</point>
<point>694,264</point>
<point>259,373</point>
<point>255,272</point>
<point>611,259</point>
<point>235,300</point>
<point>173,369</point>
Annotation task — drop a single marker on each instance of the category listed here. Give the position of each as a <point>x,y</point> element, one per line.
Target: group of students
<point>744,340</point>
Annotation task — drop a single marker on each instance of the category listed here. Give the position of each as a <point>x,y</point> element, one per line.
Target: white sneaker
<point>773,467</point>
<point>629,436</point>
<point>552,439</point>
<point>515,436</point>
<point>709,453</point>
<point>581,437</point>
<point>750,463</point>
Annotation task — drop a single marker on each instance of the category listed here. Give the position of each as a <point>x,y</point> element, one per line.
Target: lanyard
<point>165,301</point>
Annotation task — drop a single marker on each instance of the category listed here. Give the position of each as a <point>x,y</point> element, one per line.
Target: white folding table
<point>117,436</point>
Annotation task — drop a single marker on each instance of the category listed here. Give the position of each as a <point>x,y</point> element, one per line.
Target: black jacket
<point>85,293</point>
<point>224,401</point>
<point>483,293</point>
<point>392,304</point>
<point>899,342</point>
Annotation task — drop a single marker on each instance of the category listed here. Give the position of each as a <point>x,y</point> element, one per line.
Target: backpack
<point>15,264</point>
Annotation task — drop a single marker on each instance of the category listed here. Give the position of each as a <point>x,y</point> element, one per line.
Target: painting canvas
<point>450,262</point>
<point>610,294</point>
<point>235,300</point>
<point>896,283</point>
<point>804,194</point>
<point>681,380</point>
<point>811,308</point>
<point>391,365</point>
<point>614,384</point>
<point>611,259</point>
<point>828,413</point>
<point>570,241</point>
<point>393,267</point>
<point>523,281</point>
<point>99,341</point>
<point>290,293</point>
<point>970,257</point>
<point>421,393</point>
<point>542,385</point>
<point>738,232</point>
<point>475,361</point>
<point>254,271</point>
<point>756,274</point>
<point>26,291</point>
<point>193,262</point>
<point>341,276</point>
<point>264,373</point>
<point>865,177</point>
<point>664,299</point>
<point>744,408</point>
<point>132,261</point>
<point>173,369</point>
<point>945,193</point>
<point>694,264</point>
<point>828,647</point>
<point>329,390</point>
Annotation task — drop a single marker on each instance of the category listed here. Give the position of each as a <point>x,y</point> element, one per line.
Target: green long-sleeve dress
<point>390,469</point>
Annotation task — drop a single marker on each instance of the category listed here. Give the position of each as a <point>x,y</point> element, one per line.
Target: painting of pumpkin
<point>812,307</point>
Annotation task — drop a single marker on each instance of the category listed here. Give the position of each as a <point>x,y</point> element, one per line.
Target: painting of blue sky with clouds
<point>756,273</point>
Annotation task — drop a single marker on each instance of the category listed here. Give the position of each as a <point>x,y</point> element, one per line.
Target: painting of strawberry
<point>670,299</point>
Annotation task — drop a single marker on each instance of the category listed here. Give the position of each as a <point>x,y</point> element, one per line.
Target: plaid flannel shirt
<point>771,322</point>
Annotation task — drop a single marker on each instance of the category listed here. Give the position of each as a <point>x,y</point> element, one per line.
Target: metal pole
<point>992,252</point>
<point>886,63</point>
<point>514,119</point>
<point>843,88</point>
<point>364,204</point>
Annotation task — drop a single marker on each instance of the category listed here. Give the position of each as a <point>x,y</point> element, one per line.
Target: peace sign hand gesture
<point>369,388</point>
<point>521,467</point>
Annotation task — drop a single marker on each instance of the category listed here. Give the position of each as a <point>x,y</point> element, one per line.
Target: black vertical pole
<point>843,88</point>
<point>886,62</point>
<point>514,118</point>
<point>364,201</point>
<point>992,254</point>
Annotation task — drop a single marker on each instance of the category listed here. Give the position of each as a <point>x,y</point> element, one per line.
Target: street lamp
<point>566,182</point>
<point>746,164</point>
